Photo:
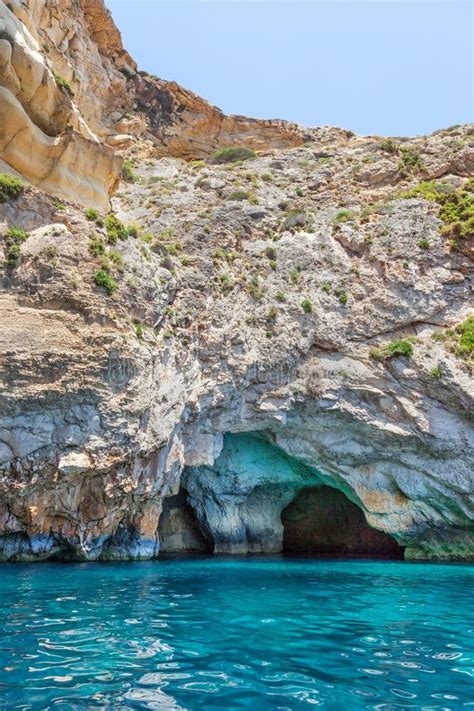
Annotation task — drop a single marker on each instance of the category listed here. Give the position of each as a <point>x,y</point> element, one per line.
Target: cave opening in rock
<point>179,529</point>
<point>322,521</point>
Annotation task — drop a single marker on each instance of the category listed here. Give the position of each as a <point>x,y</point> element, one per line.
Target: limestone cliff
<point>69,92</point>
<point>249,345</point>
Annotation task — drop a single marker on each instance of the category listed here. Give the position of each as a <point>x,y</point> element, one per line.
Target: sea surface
<point>255,633</point>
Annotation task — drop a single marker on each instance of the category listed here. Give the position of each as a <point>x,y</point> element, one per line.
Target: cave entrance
<point>321,521</point>
<point>178,528</point>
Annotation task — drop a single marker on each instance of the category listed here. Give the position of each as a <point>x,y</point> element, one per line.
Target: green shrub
<point>388,146</point>
<point>116,259</point>
<point>115,229</point>
<point>436,373</point>
<point>281,296</point>
<point>325,286</point>
<point>231,155</point>
<point>423,244</point>
<point>427,189</point>
<point>51,254</point>
<point>62,82</point>
<point>134,230</point>
<point>342,296</point>
<point>307,306</point>
<point>465,334</point>
<point>344,216</point>
<point>272,313</point>
<point>10,187</point>
<point>410,161</point>
<point>13,239</point>
<point>103,279</point>
<point>15,235</point>
<point>139,330</point>
<point>13,254</point>
<point>294,276</point>
<point>219,253</point>
<point>239,195</point>
<point>128,173</point>
<point>225,280</point>
<point>254,288</point>
<point>96,246</point>
<point>456,207</point>
<point>459,340</point>
<point>400,347</point>
<point>92,214</point>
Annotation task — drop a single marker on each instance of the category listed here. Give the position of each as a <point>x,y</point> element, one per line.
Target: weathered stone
<point>233,351</point>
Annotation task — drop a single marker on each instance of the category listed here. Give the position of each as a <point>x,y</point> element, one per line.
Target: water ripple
<point>230,634</point>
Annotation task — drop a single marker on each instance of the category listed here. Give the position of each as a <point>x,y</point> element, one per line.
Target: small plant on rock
<point>62,82</point>
<point>400,347</point>
<point>410,161</point>
<point>96,246</point>
<point>14,237</point>
<point>465,335</point>
<point>239,195</point>
<point>10,187</point>
<point>231,155</point>
<point>294,276</point>
<point>115,229</point>
<point>344,216</point>
<point>92,214</point>
<point>51,254</point>
<point>103,279</point>
<point>225,281</point>
<point>389,146</point>
<point>128,172</point>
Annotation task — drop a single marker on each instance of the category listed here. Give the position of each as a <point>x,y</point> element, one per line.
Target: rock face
<point>43,135</point>
<point>69,92</point>
<point>238,347</point>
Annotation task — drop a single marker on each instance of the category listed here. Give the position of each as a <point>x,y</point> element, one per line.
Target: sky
<point>387,67</point>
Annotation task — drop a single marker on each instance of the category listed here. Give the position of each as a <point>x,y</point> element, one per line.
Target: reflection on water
<point>242,633</point>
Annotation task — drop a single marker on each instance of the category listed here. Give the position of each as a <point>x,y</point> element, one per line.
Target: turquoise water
<point>229,634</point>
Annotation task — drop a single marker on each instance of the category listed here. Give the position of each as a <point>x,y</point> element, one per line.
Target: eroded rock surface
<point>71,97</point>
<point>239,331</point>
